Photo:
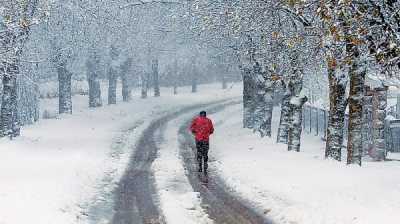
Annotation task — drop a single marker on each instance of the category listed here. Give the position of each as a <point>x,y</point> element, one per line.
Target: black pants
<point>202,153</point>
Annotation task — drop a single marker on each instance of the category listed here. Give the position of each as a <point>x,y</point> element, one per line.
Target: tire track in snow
<point>135,201</point>
<point>99,208</point>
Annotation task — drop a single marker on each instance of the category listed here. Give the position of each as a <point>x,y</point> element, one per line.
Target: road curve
<point>135,198</point>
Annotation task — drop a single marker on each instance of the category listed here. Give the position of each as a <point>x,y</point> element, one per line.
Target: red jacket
<point>202,128</point>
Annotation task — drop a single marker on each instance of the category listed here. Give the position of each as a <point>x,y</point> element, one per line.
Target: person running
<point>202,127</point>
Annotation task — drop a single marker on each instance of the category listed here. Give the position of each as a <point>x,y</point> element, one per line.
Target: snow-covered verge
<point>54,172</point>
<point>179,202</point>
<point>303,187</point>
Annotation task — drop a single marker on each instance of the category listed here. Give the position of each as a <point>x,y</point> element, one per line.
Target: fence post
<point>304,118</point>
<point>317,124</point>
<point>398,107</point>
<point>325,124</point>
<point>310,129</point>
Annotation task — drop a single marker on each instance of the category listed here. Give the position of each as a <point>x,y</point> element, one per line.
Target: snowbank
<point>302,187</point>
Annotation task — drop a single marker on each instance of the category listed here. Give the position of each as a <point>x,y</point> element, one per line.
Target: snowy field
<point>59,168</point>
<point>293,187</point>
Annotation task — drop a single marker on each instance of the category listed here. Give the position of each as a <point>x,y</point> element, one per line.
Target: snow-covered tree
<point>16,21</point>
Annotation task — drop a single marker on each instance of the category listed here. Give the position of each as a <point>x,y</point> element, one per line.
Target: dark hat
<point>203,113</point>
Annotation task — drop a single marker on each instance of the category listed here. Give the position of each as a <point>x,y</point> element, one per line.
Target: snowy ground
<point>302,187</point>
<point>58,168</point>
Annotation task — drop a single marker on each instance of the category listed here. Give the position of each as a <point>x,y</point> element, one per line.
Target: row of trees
<point>278,42</point>
<point>143,43</point>
<point>276,45</point>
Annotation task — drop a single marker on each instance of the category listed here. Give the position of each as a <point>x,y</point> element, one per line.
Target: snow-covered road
<point>136,200</point>
<point>145,195</point>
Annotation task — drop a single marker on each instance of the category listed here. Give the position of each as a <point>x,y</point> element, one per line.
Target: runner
<point>202,127</point>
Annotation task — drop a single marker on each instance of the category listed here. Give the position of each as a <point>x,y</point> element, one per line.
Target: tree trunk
<point>194,84</point>
<point>36,112</point>
<point>357,78</point>
<point>144,85</point>
<point>367,123</point>
<point>126,89</point>
<point>224,82</point>
<point>94,93</point>
<point>27,99</point>
<point>156,84</point>
<point>247,98</point>
<point>94,83</point>
<point>263,111</point>
<point>269,105</point>
<point>194,75</point>
<point>379,116</point>
<point>291,110</point>
<point>263,103</point>
<point>292,102</point>
<point>64,91</point>
<point>338,103</point>
<point>16,122</point>
<point>260,109</point>
<point>13,38</point>
<point>9,124</point>
<point>283,129</point>
<point>295,128</point>
<point>176,76</point>
<point>398,107</point>
<point>112,86</point>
